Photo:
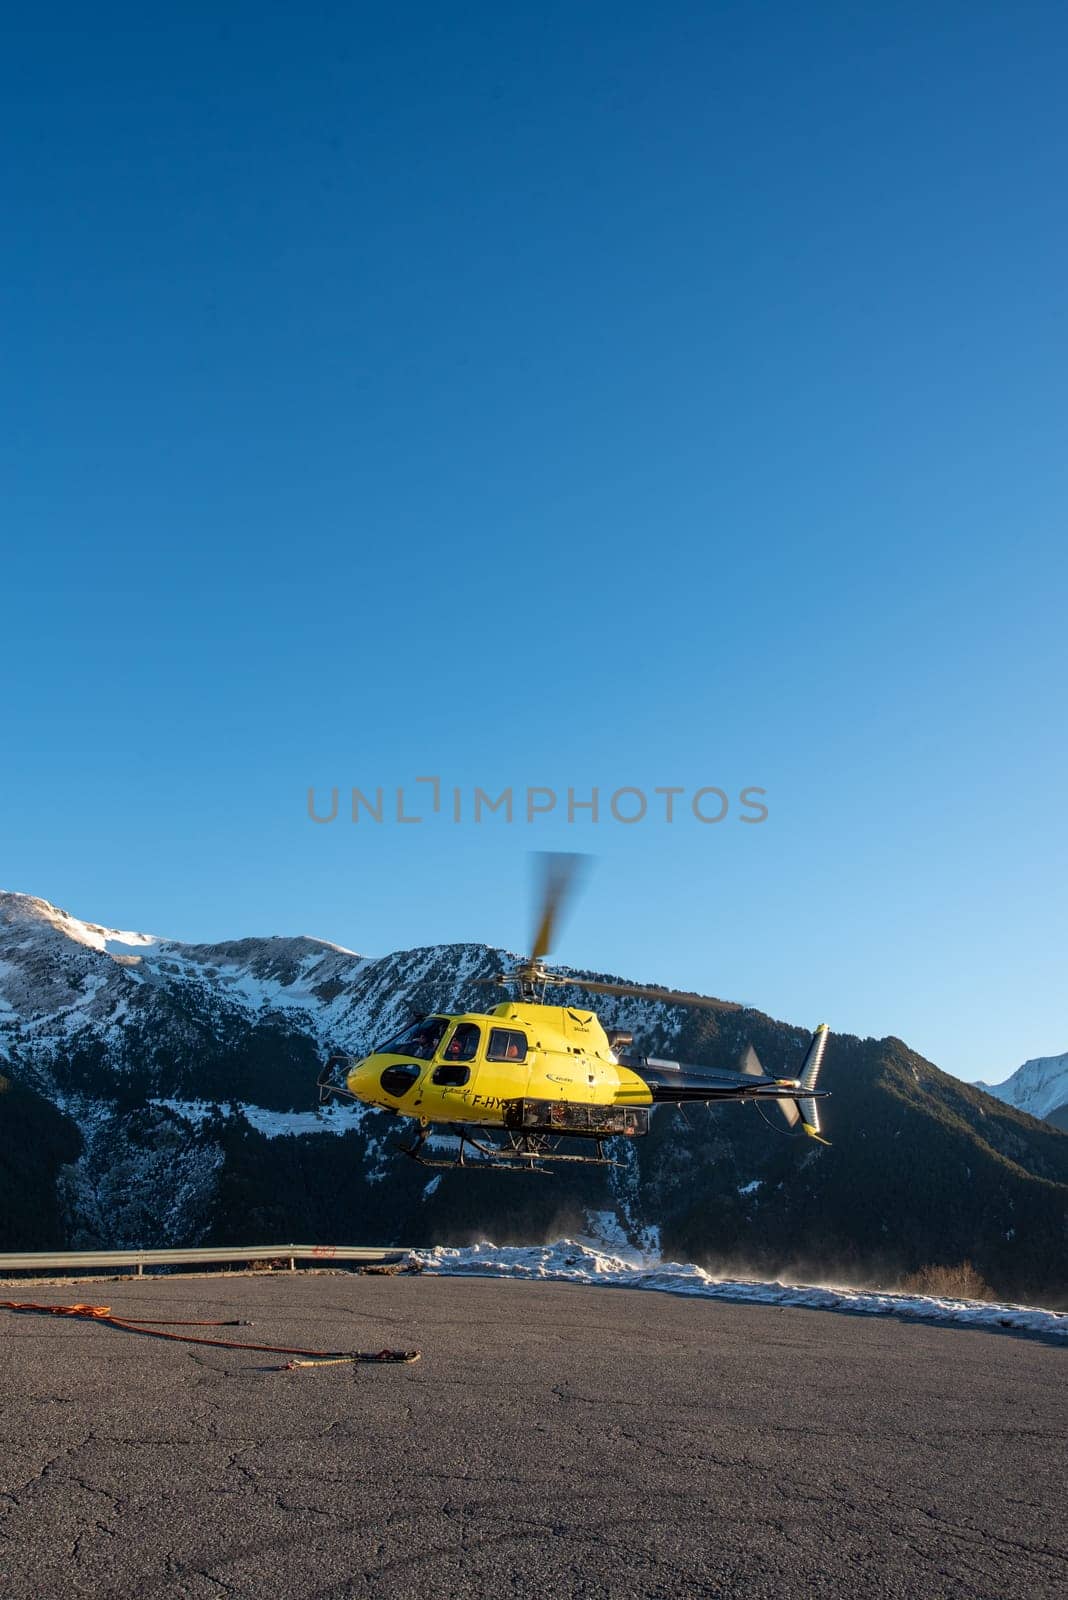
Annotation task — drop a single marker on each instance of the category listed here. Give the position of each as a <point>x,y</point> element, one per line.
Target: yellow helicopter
<point>528,1074</point>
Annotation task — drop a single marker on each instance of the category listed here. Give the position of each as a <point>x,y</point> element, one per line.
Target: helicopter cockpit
<point>419,1040</point>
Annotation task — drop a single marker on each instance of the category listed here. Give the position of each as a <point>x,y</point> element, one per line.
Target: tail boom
<point>676,1083</point>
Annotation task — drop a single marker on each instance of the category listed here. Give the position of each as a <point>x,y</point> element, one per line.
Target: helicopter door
<point>458,1064</point>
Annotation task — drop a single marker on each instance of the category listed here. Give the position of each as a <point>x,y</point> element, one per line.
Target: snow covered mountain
<point>1039,1086</point>
<point>149,1046</point>
<point>159,1092</point>
<point>165,1056</point>
<point>60,975</point>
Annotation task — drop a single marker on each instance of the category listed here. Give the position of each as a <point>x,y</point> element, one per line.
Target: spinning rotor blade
<point>791,1111</point>
<point>558,872</point>
<point>750,1064</point>
<point>674,997</point>
<point>751,1067</point>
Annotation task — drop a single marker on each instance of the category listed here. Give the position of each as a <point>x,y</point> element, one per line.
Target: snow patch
<point>605,1228</point>
<point>333,1118</point>
<point>569,1261</point>
<point>328,1119</point>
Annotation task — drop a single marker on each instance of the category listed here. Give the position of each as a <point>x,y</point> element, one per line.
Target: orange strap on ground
<point>152,1328</point>
<point>103,1314</point>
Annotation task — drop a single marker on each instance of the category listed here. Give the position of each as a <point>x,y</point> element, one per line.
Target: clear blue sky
<point>560,394</point>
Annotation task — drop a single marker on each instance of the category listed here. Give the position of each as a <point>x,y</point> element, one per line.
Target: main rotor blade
<point>558,873</point>
<point>674,997</point>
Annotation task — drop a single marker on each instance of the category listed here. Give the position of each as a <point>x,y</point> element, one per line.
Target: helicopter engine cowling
<point>576,1120</point>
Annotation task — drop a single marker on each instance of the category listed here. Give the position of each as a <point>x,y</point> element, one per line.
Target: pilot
<point>512,1053</point>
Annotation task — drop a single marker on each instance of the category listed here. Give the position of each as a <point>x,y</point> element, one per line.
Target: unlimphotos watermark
<point>533,803</point>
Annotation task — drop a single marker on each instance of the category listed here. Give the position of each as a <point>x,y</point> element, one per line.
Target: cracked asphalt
<point>554,1440</point>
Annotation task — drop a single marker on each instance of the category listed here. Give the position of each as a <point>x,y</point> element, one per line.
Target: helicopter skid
<point>525,1154</point>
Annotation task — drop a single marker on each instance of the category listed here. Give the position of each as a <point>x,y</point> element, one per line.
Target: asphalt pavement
<point>554,1440</point>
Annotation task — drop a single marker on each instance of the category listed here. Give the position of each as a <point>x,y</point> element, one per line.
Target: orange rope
<point>151,1328</point>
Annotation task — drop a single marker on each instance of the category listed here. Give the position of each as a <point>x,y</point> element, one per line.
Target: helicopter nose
<point>360,1079</point>
<point>383,1081</point>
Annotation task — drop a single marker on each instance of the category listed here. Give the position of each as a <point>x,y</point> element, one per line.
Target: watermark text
<point>426,798</point>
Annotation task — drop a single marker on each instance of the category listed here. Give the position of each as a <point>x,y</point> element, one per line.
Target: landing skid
<point>524,1152</point>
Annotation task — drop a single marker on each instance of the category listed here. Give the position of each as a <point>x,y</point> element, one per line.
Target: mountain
<point>1039,1086</point>
<point>159,1092</point>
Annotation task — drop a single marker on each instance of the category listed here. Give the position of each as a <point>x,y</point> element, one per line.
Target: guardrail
<point>138,1260</point>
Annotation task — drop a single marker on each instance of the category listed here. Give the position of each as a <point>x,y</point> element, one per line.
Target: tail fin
<point>804,1107</point>
<point>810,1071</point>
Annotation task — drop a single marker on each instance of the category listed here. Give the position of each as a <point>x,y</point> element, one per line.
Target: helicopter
<point>514,1081</point>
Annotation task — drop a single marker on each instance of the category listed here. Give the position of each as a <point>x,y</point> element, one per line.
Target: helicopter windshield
<point>420,1040</point>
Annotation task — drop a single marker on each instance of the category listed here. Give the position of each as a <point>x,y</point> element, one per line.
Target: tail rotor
<point>796,1109</point>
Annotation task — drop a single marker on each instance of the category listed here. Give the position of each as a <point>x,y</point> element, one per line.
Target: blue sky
<point>560,395</point>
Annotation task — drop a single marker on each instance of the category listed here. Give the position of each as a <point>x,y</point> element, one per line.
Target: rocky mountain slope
<point>1039,1086</point>
<point>159,1092</point>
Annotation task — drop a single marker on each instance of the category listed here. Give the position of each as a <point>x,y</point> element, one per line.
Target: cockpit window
<point>463,1046</point>
<point>420,1040</point>
<point>451,1075</point>
<point>398,1079</point>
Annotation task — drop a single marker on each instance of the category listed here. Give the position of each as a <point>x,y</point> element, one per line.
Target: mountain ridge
<point>1039,1086</point>
<point>168,1092</point>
